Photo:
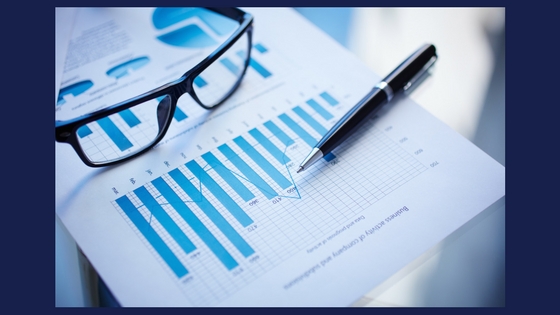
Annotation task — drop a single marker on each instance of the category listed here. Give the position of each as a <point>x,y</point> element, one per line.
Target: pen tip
<point>300,169</point>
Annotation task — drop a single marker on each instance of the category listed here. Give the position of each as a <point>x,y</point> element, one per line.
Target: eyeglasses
<point>99,141</point>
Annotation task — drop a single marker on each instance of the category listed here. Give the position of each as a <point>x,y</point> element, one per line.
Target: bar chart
<point>121,133</point>
<point>221,206</point>
<point>216,214</point>
<point>116,135</point>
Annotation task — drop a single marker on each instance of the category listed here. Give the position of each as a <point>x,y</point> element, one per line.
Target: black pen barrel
<point>410,67</point>
<point>352,120</point>
<point>405,74</point>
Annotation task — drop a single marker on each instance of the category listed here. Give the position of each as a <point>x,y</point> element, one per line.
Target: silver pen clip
<point>421,75</point>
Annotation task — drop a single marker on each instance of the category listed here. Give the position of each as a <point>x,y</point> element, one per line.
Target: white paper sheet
<point>323,237</point>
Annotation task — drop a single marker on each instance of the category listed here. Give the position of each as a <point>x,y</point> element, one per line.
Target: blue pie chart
<point>190,35</point>
<point>74,89</point>
<point>124,68</point>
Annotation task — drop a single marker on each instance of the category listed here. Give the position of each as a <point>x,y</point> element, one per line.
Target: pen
<point>401,79</point>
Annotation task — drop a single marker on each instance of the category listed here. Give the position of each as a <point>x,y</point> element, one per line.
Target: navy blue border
<point>529,34</point>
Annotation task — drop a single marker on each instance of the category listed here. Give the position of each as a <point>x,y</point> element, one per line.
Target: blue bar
<point>327,97</point>
<point>114,133</point>
<point>230,66</point>
<point>260,48</point>
<point>153,238</point>
<point>269,146</point>
<point>298,130</point>
<point>194,222</point>
<point>212,213</point>
<point>255,65</point>
<point>251,175</point>
<point>310,120</point>
<point>281,135</point>
<point>219,193</point>
<point>329,157</point>
<point>259,68</point>
<point>129,117</point>
<point>319,109</point>
<point>179,114</point>
<point>199,81</point>
<point>228,176</point>
<point>84,131</point>
<point>164,218</point>
<point>263,163</point>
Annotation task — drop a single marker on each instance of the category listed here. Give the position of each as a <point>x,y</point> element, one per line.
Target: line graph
<point>215,214</point>
<point>235,208</point>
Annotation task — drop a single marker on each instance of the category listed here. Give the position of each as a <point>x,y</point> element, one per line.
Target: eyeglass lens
<point>125,133</point>
<point>217,81</point>
<point>130,131</point>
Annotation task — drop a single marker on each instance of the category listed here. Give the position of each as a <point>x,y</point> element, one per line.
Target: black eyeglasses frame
<point>66,131</point>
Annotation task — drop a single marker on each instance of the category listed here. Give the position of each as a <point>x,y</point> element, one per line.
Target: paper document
<point>216,215</point>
